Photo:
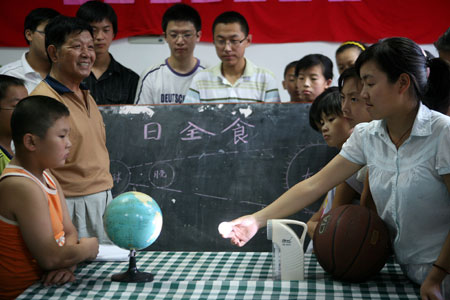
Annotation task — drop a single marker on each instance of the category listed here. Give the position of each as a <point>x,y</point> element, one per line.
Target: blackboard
<point>204,164</point>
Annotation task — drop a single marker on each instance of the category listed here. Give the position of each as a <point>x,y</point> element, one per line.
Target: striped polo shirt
<point>255,85</point>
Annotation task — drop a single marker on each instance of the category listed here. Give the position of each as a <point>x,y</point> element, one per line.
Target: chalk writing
<point>238,128</point>
<point>193,132</point>
<point>152,131</point>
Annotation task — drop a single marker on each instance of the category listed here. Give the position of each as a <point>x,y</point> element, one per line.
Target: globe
<point>133,220</point>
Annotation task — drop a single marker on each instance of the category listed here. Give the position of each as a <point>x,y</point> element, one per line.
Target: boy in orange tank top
<point>37,236</point>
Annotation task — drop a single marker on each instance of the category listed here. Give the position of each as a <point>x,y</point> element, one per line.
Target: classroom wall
<point>138,54</point>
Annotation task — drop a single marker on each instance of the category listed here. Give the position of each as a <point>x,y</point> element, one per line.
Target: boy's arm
<point>430,288</point>
<point>271,94</point>
<point>70,231</point>
<point>30,207</point>
<point>344,195</point>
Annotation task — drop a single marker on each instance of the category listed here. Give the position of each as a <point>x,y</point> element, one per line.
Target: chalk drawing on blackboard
<point>299,167</point>
<point>121,176</point>
<point>161,175</point>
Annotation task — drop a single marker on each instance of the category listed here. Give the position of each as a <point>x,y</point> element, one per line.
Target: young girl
<point>347,53</point>
<point>406,151</point>
<point>325,116</point>
<point>353,109</point>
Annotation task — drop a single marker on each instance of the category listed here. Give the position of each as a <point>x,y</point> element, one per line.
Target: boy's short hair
<point>292,64</point>
<point>443,42</point>
<point>181,12</point>
<point>7,81</point>
<point>35,115</point>
<point>59,28</point>
<point>232,17</point>
<point>348,73</point>
<point>329,103</point>
<point>312,60</point>
<point>96,11</point>
<point>36,17</point>
<point>351,44</point>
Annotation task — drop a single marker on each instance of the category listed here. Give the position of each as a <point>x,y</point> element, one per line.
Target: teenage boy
<point>85,177</point>
<point>443,45</point>
<point>314,74</point>
<point>290,82</point>
<point>109,81</point>
<point>39,241</point>
<point>235,79</point>
<point>34,64</point>
<point>168,81</point>
<point>12,90</point>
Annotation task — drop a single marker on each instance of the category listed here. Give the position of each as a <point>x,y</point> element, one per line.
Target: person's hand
<point>58,277</point>
<point>431,289</point>
<point>91,245</point>
<point>241,230</point>
<point>312,223</point>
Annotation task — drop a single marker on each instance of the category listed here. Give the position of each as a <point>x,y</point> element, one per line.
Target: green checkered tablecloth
<point>221,275</point>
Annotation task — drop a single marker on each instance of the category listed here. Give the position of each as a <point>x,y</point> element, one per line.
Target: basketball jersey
<point>18,269</point>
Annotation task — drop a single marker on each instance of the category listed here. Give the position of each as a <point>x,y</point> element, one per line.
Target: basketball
<point>352,243</point>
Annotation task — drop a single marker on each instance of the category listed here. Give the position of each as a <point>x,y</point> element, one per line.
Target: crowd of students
<point>388,117</point>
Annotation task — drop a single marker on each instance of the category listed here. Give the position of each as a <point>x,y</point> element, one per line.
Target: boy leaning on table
<point>39,241</point>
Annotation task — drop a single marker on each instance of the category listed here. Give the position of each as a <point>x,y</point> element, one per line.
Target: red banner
<point>271,21</point>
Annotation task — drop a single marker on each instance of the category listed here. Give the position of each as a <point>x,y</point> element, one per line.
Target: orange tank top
<point>18,269</point>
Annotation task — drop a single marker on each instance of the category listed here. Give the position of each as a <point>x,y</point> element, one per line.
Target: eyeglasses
<point>233,43</point>
<point>185,36</point>
<point>40,31</point>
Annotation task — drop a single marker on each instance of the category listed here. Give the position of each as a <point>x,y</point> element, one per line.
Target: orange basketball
<point>351,243</point>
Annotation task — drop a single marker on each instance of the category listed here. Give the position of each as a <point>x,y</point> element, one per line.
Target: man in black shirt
<point>109,81</point>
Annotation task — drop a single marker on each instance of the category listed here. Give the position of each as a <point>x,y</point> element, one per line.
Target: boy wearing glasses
<point>34,64</point>
<point>235,79</point>
<point>109,81</point>
<point>12,90</point>
<point>168,81</point>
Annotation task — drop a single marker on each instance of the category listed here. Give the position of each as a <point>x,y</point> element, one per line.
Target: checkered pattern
<point>221,275</point>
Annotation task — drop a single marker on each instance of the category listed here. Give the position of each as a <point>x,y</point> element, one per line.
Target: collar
<point>421,126</point>
<point>26,66</point>
<point>59,87</point>
<point>249,70</point>
<point>114,66</point>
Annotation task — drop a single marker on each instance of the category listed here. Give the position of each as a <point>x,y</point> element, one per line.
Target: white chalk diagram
<point>161,174</point>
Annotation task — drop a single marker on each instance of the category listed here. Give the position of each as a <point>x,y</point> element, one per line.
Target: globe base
<point>133,274</point>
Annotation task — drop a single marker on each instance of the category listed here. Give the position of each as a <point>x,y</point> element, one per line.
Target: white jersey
<point>160,84</point>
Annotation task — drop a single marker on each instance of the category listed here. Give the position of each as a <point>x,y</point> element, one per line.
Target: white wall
<point>271,56</point>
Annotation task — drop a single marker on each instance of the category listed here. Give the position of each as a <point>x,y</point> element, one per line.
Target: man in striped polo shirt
<point>235,79</point>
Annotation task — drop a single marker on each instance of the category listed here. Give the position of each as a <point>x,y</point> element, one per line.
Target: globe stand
<point>133,274</point>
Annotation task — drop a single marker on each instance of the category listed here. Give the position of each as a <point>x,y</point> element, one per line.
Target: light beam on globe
<point>133,220</point>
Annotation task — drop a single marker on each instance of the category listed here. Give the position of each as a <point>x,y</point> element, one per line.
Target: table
<point>221,275</point>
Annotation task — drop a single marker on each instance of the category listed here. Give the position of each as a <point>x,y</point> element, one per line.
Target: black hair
<point>96,11</point>
<point>232,17</point>
<point>399,55</point>
<point>311,60</point>
<point>35,115</point>
<point>7,81</point>
<point>328,102</point>
<point>181,12</point>
<point>348,73</point>
<point>59,28</point>
<point>351,44</point>
<point>443,42</point>
<point>36,17</point>
<point>292,64</point>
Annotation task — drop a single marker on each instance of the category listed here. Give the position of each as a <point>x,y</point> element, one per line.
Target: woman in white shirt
<point>407,153</point>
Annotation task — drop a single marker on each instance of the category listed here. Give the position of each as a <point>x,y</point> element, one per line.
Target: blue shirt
<point>406,184</point>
